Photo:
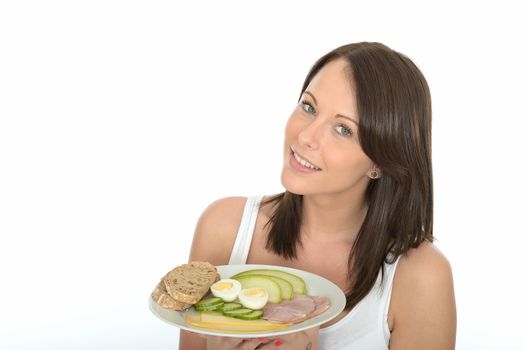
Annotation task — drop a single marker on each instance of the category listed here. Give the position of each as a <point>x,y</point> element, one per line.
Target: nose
<point>310,135</point>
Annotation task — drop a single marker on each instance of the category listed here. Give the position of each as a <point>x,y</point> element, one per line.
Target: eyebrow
<point>337,115</point>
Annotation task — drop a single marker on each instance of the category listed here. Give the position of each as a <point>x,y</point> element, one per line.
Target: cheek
<point>353,162</point>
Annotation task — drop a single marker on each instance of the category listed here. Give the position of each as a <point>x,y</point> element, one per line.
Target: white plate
<point>316,285</point>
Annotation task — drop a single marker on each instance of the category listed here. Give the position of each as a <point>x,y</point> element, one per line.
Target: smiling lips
<point>305,165</point>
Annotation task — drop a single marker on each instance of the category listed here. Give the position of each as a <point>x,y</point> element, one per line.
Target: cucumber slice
<point>209,301</point>
<point>209,304</point>
<point>237,312</point>
<point>254,315</point>
<point>215,307</point>
<point>231,306</point>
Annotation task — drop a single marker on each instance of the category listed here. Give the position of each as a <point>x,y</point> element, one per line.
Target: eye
<point>344,130</point>
<point>309,108</point>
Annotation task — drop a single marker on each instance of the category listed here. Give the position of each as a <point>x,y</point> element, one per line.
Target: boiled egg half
<point>226,289</point>
<point>253,298</point>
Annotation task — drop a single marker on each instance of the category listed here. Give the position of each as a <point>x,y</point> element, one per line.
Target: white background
<point>122,120</point>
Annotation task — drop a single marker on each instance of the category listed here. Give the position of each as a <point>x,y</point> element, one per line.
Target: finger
<point>223,342</point>
<point>251,344</point>
<point>233,342</point>
<point>270,346</point>
<point>200,335</point>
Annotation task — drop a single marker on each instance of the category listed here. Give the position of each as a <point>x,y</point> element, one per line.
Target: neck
<point>327,218</point>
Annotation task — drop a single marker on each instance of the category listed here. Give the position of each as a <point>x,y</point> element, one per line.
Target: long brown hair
<point>394,106</point>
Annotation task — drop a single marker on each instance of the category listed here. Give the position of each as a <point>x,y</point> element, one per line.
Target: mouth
<point>304,162</point>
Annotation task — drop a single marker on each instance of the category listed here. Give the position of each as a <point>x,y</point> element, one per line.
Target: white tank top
<point>364,328</point>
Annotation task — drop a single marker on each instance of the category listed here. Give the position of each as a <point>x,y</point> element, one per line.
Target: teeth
<point>304,162</point>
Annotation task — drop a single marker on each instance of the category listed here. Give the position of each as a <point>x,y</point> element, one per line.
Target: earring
<point>374,173</point>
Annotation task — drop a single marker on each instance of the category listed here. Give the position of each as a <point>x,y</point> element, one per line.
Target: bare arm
<point>214,237</point>
<point>423,302</point>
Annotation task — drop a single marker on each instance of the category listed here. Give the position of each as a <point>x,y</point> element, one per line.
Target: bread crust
<point>161,297</point>
<point>188,283</point>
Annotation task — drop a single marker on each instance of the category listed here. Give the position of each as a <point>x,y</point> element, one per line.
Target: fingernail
<point>278,342</point>
<point>262,339</point>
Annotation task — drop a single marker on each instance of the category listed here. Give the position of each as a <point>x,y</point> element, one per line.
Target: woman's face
<point>322,154</point>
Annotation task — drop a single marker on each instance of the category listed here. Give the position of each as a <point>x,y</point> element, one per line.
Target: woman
<point>357,210</point>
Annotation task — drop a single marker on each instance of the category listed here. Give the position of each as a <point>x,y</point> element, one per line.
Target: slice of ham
<point>299,309</point>
<point>322,304</point>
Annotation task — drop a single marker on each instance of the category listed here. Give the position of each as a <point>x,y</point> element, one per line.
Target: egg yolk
<point>223,285</point>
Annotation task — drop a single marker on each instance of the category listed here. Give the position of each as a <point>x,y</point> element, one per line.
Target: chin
<point>294,185</point>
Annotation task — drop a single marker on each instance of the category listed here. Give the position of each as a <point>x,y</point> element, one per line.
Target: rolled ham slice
<point>299,309</point>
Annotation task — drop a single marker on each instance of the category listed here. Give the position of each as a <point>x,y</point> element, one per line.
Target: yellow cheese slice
<point>214,320</point>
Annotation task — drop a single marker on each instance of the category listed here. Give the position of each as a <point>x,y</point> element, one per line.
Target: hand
<point>229,343</point>
<point>306,340</point>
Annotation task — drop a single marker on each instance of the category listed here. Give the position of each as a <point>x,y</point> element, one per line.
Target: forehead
<point>333,86</point>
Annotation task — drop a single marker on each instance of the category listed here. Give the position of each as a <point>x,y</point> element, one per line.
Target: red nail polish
<point>278,342</point>
<point>262,339</point>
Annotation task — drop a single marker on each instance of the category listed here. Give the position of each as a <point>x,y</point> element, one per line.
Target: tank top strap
<point>246,229</point>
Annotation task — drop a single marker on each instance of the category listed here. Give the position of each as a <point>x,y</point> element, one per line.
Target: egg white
<point>227,294</point>
<point>255,302</point>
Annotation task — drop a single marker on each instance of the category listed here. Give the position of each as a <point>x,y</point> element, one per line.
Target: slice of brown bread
<point>161,297</point>
<point>188,283</point>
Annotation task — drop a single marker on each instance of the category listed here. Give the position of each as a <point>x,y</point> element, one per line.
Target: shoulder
<point>216,230</point>
<point>424,265</point>
<point>223,210</point>
<point>422,307</point>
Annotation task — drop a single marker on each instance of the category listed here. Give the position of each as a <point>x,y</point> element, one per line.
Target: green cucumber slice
<point>231,306</point>
<point>209,304</point>
<point>215,307</point>
<point>237,312</point>
<point>209,301</point>
<point>254,315</point>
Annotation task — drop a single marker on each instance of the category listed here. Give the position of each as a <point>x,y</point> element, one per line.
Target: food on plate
<point>272,288</point>
<point>262,296</point>
<point>244,314</point>
<point>190,282</point>
<point>235,310</point>
<point>209,304</point>
<point>253,298</point>
<point>217,321</point>
<point>299,309</point>
<point>161,297</point>
<point>285,287</point>
<point>231,306</point>
<point>287,291</point>
<point>185,285</point>
<point>226,289</point>
<point>298,284</point>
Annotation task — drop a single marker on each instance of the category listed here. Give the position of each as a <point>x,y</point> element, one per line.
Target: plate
<point>316,286</point>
